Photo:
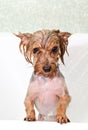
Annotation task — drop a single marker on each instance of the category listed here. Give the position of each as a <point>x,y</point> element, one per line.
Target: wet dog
<point>47,89</point>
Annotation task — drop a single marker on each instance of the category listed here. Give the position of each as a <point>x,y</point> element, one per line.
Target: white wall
<point>32,15</point>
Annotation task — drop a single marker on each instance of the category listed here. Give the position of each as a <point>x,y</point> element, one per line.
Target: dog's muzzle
<point>47,68</point>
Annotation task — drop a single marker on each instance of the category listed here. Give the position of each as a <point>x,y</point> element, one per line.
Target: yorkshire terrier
<point>47,90</point>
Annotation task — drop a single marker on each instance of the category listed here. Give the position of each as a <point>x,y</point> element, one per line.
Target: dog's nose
<point>47,68</point>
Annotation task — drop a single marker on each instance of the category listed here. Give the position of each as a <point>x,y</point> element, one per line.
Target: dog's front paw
<point>29,119</point>
<point>30,116</point>
<point>62,119</point>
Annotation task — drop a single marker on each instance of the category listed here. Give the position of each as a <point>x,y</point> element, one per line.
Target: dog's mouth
<point>45,70</point>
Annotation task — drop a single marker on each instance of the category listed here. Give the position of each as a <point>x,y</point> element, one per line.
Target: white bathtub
<point>15,74</point>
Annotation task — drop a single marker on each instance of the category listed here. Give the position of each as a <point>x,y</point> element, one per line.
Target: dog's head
<point>43,49</point>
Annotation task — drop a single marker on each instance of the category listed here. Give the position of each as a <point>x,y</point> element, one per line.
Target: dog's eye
<point>54,49</point>
<point>35,50</point>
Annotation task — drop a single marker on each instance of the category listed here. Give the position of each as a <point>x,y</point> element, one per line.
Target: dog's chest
<point>47,93</point>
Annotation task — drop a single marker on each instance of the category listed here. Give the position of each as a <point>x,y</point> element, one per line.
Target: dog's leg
<point>29,110</point>
<point>61,111</point>
<point>40,117</point>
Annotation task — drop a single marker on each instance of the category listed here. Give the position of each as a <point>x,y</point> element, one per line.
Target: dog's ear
<point>63,36</point>
<point>24,44</point>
